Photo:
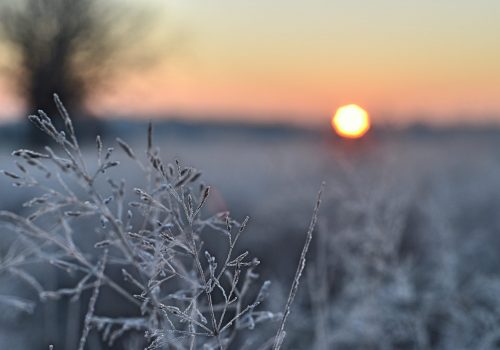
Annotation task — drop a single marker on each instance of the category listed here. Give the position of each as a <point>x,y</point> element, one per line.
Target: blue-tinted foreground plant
<point>184,297</point>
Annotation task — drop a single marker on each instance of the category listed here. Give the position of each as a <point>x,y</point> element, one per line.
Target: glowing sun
<point>351,121</point>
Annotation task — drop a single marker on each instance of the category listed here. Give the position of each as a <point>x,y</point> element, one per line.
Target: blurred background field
<point>407,246</point>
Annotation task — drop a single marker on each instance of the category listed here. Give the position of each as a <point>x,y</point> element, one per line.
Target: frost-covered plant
<point>184,297</point>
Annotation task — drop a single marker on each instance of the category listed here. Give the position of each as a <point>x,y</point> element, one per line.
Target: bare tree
<point>68,47</point>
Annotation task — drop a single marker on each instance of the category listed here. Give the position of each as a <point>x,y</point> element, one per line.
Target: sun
<point>351,121</point>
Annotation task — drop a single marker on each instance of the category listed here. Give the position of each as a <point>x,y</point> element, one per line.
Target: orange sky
<point>296,60</point>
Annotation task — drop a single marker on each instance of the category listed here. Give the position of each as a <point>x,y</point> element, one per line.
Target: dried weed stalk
<point>184,297</point>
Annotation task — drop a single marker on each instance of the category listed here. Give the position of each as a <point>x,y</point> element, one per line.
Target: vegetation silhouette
<point>72,48</point>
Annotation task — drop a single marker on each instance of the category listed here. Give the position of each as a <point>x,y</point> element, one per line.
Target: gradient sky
<point>404,61</point>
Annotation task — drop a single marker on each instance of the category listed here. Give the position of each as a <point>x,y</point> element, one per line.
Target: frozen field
<point>407,251</point>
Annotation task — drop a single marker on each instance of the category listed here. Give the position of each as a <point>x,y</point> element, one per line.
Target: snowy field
<point>406,255</point>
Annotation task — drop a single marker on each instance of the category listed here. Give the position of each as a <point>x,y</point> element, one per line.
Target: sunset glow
<point>434,62</point>
<point>351,121</point>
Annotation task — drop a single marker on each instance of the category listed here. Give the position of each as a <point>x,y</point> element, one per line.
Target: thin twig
<point>280,335</point>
